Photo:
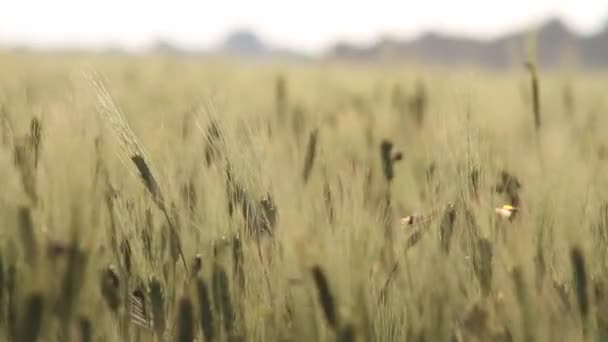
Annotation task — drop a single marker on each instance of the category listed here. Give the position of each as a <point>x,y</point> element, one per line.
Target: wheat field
<point>150,198</point>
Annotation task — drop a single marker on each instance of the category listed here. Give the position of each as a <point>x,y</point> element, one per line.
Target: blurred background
<point>469,32</point>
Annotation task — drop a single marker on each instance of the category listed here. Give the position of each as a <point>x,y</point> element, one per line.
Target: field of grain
<point>161,199</point>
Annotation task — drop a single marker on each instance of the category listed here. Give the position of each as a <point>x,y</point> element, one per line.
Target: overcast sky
<point>309,25</point>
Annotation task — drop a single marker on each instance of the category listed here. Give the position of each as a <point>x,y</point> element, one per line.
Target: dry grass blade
<point>298,122</point>
<point>267,215</point>
<point>206,313</point>
<point>325,297</point>
<point>214,143</point>
<point>146,236</point>
<point>6,127</point>
<point>482,264</point>
<point>522,297</point>
<point>158,306</point>
<point>329,203</point>
<point>125,250</point>
<point>472,228</point>
<point>86,329</point>
<point>391,275</point>
<point>386,148</point>
<point>580,280</point>
<point>519,284</point>
<point>474,183</point>
<point>110,288</point>
<point>28,235</point>
<point>31,324</point>
<point>311,152</point>
<point>174,241</point>
<point>148,179</point>
<point>221,297</point>
<point>531,66</point>
<point>446,228</point>
<point>11,280</point>
<point>36,139</point>
<point>185,330</point>
<point>130,146</point>
<point>72,281</point>
<point>24,160</point>
<point>366,322</point>
<point>418,102</point>
<point>233,191</point>
<point>540,264</point>
<point>281,98</point>
<point>238,262</point>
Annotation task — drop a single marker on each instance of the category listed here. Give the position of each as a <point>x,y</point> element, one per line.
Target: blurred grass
<point>473,120</point>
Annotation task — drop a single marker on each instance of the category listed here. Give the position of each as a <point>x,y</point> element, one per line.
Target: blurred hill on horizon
<point>556,45</point>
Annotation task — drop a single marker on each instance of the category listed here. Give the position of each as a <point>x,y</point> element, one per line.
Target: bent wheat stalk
<point>129,145</point>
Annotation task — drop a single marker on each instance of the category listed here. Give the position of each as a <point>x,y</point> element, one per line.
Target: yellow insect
<point>507,211</point>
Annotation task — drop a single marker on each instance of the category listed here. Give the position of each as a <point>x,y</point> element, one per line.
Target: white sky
<point>309,25</point>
